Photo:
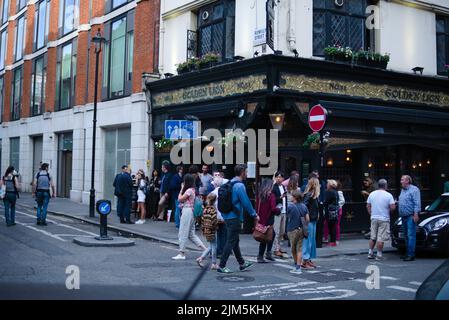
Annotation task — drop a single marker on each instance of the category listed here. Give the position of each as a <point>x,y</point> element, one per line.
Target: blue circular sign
<point>104,207</point>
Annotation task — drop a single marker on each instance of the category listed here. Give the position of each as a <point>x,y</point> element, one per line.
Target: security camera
<point>276,88</point>
<point>327,135</point>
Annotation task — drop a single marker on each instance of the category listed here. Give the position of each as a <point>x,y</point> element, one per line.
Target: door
<point>37,154</point>
<point>65,149</point>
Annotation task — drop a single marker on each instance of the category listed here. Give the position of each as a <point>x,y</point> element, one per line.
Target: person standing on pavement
<point>165,189</point>
<point>155,193</point>
<point>209,223</point>
<point>206,180</point>
<point>41,191</point>
<point>240,203</point>
<point>409,209</point>
<point>221,228</point>
<point>175,188</point>
<point>331,210</point>
<point>141,196</point>
<point>312,202</point>
<point>187,227</point>
<point>123,185</point>
<point>380,204</point>
<point>267,210</point>
<point>297,228</point>
<point>11,187</point>
<point>279,221</point>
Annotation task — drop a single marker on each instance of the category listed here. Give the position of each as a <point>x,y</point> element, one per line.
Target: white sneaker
<point>140,222</point>
<point>179,257</point>
<point>296,271</point>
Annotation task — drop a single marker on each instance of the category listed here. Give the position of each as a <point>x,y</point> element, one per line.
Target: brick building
<point>47,69</point>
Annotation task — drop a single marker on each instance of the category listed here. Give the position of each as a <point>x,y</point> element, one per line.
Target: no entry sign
<point>317,118</point>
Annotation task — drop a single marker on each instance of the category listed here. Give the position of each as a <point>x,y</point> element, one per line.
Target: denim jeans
<point>177,214</point>
<point>10,208</point>
<point>233,228</point>
<point>309,244</point>
<point>221,238</point>
<point>212,249</point>
<point>123,208</point>
<point>409,226</point>
<point>42,199</point>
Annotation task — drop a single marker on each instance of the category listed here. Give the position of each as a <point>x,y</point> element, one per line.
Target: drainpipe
<point>148,77</point>
<point>291,36</point>
<point>161,39</point>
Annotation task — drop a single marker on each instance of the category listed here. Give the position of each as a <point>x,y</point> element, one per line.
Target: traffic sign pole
<point>104,209</point>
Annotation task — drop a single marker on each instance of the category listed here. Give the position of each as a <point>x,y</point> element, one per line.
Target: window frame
<point>109,5</point>
<point>445,34</point>
<point>106,94</point>
<point>59,66</point>
<point>3,18</point>
<point>14,116</point>
<point>44,59</point>
<point>62,15</point>
<point>2,97</point>
<point>3,49</point>
<point>15,139</point>
<point>24,19</point>
<point>18,8</point>
<point>37,24</point>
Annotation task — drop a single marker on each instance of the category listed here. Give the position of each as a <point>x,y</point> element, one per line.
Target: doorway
<point>65,157</point>
<point>37,154</point>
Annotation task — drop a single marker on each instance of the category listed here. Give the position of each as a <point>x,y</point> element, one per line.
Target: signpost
<point>317,121</point>
<point>104,208</point>
<point>181,130</point>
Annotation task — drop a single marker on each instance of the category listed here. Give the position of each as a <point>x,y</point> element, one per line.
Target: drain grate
<point>236,279</point>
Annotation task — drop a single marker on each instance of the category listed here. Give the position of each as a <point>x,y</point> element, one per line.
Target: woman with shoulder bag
<point>331,209</point>
<point>266,210</point>
<point>311,200</point>
<point>10,186</point>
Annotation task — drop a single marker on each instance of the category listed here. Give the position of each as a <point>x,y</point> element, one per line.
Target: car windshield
<point>441,204</point>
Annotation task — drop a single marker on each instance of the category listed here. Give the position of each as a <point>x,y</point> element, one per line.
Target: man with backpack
<point>9,193</point>
<point>41,191</point>
<point>232,202</point>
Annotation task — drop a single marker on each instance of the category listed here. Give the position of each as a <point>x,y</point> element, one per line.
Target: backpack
<point>225,204</point>
<point>198,208</point>
<point>42,175</point>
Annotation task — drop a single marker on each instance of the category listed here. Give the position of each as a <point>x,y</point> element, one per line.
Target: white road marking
<point>405,289</point>
<point>269,285</point>
<point>389,278</point>
<point>359,280</point>
<point>171,248</point>
<point>278,289</point>
<point>344,294</point>
<point>284,266</point>
<point>415,283</point>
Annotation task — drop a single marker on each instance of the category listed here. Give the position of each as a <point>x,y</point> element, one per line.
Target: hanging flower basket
<point>164,145</point>
<point>312,142</point>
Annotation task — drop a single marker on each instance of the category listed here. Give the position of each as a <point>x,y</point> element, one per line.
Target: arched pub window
<point>340,22</point>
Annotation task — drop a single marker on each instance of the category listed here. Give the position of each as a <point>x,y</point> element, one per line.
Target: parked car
<point>436,286</point>
<point>432,232</point>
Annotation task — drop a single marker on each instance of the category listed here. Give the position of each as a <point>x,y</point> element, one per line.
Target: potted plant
<point>164,145</point>
<point>371,59</point>
<point>312,141</point>
<point>338,54</point>
<point>208,60</point>
<point>183,67</point>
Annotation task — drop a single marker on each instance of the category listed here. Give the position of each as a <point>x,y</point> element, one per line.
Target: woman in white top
<point>141,196</point>
<point>187,225</point>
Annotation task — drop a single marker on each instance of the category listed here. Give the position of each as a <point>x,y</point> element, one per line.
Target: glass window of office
<point>66,76</point>
<point>114,4</point>
<point>38,81</point>
<point>20,38</point>
<point>3,47</point>
<point>118,57</point>
<point>16,94</point>
<point>68,16</point>
<point>20,4</point>
<point>442,29</point>
<point>5,11</point>
<point>339,23</point>
<point>14,153</point>
<point>41,22</point>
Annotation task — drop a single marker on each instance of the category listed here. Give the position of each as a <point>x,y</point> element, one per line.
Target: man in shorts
<point>380,204</point>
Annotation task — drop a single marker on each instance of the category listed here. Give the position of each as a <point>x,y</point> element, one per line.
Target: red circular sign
<point>317,118</point>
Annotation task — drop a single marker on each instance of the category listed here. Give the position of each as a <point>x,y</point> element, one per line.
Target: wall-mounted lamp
<point>277,120</point>
<point>296,53</point>
<point>370,165</point>
<point>330,162</point>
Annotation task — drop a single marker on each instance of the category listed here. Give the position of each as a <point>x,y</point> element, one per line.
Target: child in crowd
<point>298,219</point>
<point>209,228</point>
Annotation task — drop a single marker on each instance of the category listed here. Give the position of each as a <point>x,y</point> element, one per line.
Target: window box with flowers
<point>371,59</point>
<point>338,54</point>
<point>188,66</point>
<point>208,61</point>
<point>164,145</point>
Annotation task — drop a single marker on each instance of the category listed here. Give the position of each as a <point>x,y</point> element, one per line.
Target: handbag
<point>2,191</point>
<point>262,233</point>
<point>198,208</point>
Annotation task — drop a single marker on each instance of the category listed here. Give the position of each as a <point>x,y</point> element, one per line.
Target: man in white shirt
<point>380,204</point>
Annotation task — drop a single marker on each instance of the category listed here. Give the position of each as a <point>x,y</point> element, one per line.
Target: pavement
<point>350,244</point>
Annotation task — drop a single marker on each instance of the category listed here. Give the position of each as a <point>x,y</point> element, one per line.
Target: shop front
<point>382,124</point>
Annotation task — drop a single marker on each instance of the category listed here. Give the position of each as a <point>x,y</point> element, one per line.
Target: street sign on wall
<point>181,130</point>
<point>317,118</point>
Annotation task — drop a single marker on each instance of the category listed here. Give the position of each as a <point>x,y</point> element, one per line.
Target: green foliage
<point>313,138</point>
<point>163,144</point>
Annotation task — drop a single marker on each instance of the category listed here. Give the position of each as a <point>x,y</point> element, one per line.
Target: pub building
<point>382,124</point>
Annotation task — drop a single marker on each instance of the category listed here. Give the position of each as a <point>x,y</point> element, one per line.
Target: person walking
<point>141,196</point>
<point>234,195</point>
<point>341,203</point>
<point>155,193</point>
<point>41,191</point>
<point>293,185</point>
<point>165,189</point>
<point>187,226</point>
<point>267,210</point>
<point>11,186</point>
<point>311,201</point>
<point>279,221</point>
<point>175,188</point>
<point>297,228</point>
<point>123,185</point>
<point>380,204</point>
<point>219,180</point>
<point>209,223</point>
<point>409,209</point>
<point>206,181</point>
<point>331,210</point>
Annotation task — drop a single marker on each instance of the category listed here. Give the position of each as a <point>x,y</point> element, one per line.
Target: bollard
<point>104,208</point>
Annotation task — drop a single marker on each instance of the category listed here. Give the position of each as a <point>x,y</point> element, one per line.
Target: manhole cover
<point>236,279</point>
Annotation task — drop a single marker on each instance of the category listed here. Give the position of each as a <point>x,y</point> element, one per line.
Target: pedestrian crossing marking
<point>405,289</point>
<point>415,283</point>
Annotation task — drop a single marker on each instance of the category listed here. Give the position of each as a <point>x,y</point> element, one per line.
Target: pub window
<point>5,11</point>
<point>20,4</point>
<point>3,43</point>
<point>20,38</point>
<point>340,23</point>
<point>216,31</point>
<point>68,16</point>
<point>38,81</point>
<point>16,97</point>
<point>442,28</point>
<point>118,57</point>
<point>41,22</point>
<point>66,76</point>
